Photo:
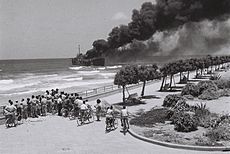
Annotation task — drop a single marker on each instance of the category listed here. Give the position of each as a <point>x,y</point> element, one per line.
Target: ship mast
<point>79,49</point>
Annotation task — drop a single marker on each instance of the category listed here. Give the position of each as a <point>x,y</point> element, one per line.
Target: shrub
<point>172,99</point>
<point>201,110</point>
<point>204,141</point>
<point>133,101</point>
<point>151,117</point>
<point>222,84</point>
<point>224,92</point>
<point>206,85</point>
<point>209,95</point>
<point>184,122</point>
<point>190,89</point>
<point>215,77</point>
<point>220,133</point>
<point>181,106</point>
<point>188,97</point>
<point>203,115</point>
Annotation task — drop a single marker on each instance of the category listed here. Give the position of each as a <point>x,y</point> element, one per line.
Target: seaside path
<point>53,134</point>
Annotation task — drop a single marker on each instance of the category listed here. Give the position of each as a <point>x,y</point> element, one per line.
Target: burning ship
<point>82,61</point>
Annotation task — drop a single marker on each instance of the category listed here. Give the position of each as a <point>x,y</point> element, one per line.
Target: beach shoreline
<point>73,139</point>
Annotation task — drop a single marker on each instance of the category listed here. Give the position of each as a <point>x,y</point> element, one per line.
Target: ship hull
<point>89,62</point>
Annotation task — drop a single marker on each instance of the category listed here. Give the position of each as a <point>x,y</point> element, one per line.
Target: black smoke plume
<point>168,16</point>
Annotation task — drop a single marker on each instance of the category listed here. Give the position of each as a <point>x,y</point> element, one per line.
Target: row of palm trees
<point>208,63</point>
<point>133,74</point>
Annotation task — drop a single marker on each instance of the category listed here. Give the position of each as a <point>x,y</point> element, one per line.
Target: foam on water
<point>101,68</point>
<point>7,87</point>
<point>20,82</point>
<point>76,68</point>
<point>107,75</point>
<point>73,79</point>
<point>114,67</point>
<point>4,82</point>
<point>88,72</point>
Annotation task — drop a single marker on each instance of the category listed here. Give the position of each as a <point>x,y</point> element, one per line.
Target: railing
<point>96,91</point>
<point>93,92</point>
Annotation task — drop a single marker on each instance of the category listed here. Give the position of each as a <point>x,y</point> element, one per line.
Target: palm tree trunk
<point>188,76</point>
<point>170,84</point>
<point>143,89</point>
<point>162,84</point>
<point>123,90</point>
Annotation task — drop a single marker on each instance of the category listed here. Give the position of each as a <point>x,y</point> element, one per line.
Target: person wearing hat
<point>98,109</point>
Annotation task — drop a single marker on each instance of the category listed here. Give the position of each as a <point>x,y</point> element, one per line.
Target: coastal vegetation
<point>209,64</point>
<point>133,74</point>
<point>210,129</point>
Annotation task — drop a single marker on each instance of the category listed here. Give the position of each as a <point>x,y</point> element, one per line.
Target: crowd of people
<point>55,102</point>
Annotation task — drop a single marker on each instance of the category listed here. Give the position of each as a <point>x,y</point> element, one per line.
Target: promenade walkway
<point>53,134</point>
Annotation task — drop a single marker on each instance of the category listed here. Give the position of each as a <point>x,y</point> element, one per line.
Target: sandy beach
<point>53,134</point>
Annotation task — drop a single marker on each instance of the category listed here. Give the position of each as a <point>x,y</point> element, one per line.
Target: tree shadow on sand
<point>150,97</point>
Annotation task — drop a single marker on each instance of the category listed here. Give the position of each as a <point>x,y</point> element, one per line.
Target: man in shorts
<point>124,117</point>
<point>83,110</point>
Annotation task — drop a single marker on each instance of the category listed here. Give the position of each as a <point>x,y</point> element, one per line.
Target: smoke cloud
<point>172,28</point>
<point>206,37</point>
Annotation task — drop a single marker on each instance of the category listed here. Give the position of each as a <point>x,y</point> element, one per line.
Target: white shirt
<point>124,113</point>
<point>10,108</point>
<point>84,107</point>
<point>109,113</point>
<point>59,100</point>
<point>79,102</point>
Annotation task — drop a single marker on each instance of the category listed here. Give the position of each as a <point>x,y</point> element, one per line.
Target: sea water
<point>22,78</point>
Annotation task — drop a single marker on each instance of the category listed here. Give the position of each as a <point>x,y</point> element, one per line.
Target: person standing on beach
<point>34,107</point>
<point>49,102</point>
<point>59,105</point>
<point>44,106</point>
<point>10,111</point>
<point>28,107</point>
<point>98,109</point>
<point>24,109</point>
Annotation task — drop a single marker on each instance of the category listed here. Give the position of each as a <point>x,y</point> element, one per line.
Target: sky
<point>54,28</point>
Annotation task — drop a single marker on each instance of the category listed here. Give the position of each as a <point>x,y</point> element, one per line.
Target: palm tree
<point>143,75</point>
<point>127,75</point>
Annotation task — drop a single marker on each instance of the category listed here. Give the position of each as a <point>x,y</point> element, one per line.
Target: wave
<point>101,68</point>
<point>73,79</point>
<point>114,67</point>
<point>107,75</point>
<point>88,72</point>
<point>6,81</point>
<point>76,68</point>
<point>20,93</point>
<point>8,87</point>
